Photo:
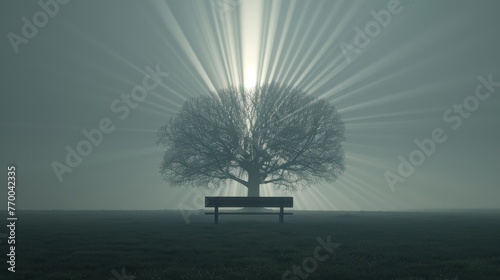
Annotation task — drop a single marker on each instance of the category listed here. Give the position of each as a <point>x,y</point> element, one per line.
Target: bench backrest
<point>244,201</point>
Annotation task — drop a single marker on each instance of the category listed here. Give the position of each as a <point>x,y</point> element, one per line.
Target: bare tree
<point>271,134</point>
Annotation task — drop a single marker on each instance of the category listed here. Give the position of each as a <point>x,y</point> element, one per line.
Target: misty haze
<point>250,139</point>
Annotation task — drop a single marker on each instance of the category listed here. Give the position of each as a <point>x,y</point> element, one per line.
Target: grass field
<point>148,245</point>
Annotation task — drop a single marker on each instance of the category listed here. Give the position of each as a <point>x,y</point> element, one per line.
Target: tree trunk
<point>253,187</point>
<point>254,190</point>
<point>253,183</point>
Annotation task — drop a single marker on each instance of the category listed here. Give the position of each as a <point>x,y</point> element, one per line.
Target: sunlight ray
<point>323,49</point>
<point>376,195</point>
<point>278,49</point>
<point>176,30</point>
<point>294,39</point>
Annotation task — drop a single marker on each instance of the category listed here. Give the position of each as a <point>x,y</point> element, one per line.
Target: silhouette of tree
<point>271,134</point>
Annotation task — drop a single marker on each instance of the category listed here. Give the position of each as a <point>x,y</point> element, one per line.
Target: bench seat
<point>244,201</point>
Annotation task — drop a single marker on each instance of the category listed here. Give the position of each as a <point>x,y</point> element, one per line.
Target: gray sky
<point>392,80</point>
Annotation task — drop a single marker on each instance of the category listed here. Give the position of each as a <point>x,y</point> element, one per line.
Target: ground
<point>148,245</point>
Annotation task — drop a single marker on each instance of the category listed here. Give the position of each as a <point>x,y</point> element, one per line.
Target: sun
<point>250,77</point>
<point>251,34</point>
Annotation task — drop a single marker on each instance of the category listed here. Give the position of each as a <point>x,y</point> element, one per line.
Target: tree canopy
<point>270,134</point>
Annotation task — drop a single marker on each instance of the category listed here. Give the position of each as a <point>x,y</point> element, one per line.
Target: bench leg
<point>281,215</point>
<point>216,215</point>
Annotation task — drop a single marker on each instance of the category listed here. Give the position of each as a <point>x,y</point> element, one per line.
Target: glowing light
<point>298,43</point>
<point>251,36</point>
<point>250,79</point>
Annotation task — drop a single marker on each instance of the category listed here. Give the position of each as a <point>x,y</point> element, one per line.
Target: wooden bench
<point>244,201</point>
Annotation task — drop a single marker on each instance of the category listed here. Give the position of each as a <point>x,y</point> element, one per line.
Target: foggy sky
<point>71,75</point>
